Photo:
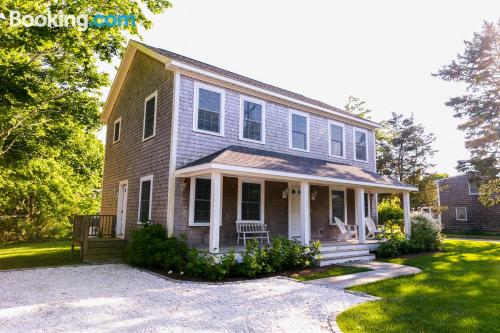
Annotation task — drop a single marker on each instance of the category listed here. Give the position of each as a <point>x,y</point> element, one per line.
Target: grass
<point>324,272</point>
<point>26,255</point>
<point>457,291</point>
<point>474,235</point>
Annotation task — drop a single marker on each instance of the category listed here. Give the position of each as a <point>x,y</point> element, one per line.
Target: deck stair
<point>340,253</point>
<point>105,249</point>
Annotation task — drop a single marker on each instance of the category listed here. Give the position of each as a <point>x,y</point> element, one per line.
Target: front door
<point>121,212</point>
<point>294,211</point>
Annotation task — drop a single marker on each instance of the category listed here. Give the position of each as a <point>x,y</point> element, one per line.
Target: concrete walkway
<point>379,271</point>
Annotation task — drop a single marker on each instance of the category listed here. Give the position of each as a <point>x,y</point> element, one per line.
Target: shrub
<point>389,210</point>
<point>172,254</point>
<point>146,244</point>
<point>425,233</point>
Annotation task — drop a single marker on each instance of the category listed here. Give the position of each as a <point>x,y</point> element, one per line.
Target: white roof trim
<point>210,167</point>
<point>188,70</point>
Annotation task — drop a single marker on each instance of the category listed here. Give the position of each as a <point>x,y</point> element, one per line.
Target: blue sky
<point>380,51</point>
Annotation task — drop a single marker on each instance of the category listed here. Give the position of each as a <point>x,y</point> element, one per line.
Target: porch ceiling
<point>243,161</point>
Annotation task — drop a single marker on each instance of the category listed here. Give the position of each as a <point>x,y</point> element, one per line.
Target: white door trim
<point>120,215</point>
<point>297,186</point>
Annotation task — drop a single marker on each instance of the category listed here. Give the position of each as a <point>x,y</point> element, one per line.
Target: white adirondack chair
<point>373,230</point>
<point>346,231</point>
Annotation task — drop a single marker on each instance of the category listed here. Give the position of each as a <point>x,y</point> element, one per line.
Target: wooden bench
<point>251,230</point>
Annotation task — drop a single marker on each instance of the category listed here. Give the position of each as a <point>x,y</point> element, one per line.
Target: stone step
<point>342,260</point>
<point>352,253</point>
<point>345,247</point>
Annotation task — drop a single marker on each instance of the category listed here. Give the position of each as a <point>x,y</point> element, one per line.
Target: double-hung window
<point>208,109</point>
<point>473,188</point>
<point>199,209</point>
<point>251,201</point>
<point>299,130</point>
<point>145,198</point>
<point>461,213</point>
<point>360,145</point>
<point>149,128</point>
<point>338,205</point>
<point>117,130</point>
<point>337,139</point>
<point>252,120</point>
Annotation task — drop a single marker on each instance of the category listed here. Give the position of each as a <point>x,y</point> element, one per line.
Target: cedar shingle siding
<point>131,158</point>
<point>454,192</point>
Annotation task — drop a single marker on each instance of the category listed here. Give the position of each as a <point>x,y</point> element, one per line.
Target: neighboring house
<point>196,148</point>
<point>460,195</point>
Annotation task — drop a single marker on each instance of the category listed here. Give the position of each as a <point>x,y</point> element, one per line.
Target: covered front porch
<point>299,206</point>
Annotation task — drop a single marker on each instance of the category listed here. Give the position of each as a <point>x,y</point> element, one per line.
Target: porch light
<point>284,194</point>
<point>314,194</point>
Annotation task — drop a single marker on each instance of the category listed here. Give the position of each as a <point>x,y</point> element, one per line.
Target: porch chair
<point>251,230</point>
<point>373,230</point>
<point>347,231</point>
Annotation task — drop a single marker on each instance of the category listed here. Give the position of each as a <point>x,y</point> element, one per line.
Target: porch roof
<point>279,165</point>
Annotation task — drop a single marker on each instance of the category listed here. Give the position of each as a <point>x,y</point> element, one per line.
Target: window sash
<point>336,140</point>
<point>116,133</point>
<point>361,145</point>
<point>209,110</point>
<point>338,205</point>
<point>149,118</point>
<point>299,131</point>
<point>252,121</point>
<point>145,201</point>
<point>461,213</point>
<point>202,200</point>
<point>251,201</point>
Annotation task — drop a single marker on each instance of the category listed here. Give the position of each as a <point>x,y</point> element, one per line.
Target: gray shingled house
<point>203,150</point>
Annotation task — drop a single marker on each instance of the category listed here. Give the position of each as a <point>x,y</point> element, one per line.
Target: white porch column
<point>215,211</point>
<point>305,213</point>
<point>359,196</point>
<point>375,207</point>
<point>406,209</point>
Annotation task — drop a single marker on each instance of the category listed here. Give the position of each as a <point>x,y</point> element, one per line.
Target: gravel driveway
<point>112,298</point>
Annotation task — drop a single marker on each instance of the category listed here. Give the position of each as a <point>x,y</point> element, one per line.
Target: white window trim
<point>330,123</point>
<point>155,95</point>
<point>143,179</point>
<point>244,99</point>
<point>192,194</point>
<point>119,120</point>
<point>196,101</point>
<point>340,189</point>
<point>471,193</point>
<point>456,214</point>
<point>354,130</point>
<point>303,114</point>
<point>262,196</point>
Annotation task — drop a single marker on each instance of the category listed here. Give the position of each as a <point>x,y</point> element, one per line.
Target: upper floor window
<point>461,213</point>
<point>145,198</point>
<point>360,145</point>
<point>299,130</point>
<point>252,120</point>
<point>473,188</point>
<point>116,130</point>
<point>251,201</point>
<point>208,109</point>
<point>149,128</point>
<point>337,139</point>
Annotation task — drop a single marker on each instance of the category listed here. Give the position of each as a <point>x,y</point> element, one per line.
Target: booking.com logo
<point>61,20</point>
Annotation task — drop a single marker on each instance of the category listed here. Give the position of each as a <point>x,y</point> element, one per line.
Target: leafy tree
<point>427,191</point>
<point>358,107</point>
<point>479,108</point>
<point>50,159</point>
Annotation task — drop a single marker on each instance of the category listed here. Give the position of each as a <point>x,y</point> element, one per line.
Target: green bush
<point>425,233</point>
<point>389,210</point>
<point>146,243</point>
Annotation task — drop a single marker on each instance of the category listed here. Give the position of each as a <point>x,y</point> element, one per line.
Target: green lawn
<point>474,235</point>
<point>327,272</point>
<point>25,255</point>
<point>458,291</point>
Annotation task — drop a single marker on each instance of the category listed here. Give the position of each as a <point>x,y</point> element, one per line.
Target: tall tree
<point>357,106</point>
<point>50,158</point>
<point>479,108</point>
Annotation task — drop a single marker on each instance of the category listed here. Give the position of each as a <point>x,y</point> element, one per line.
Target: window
<point>116,130</point>
<point>337,139</point>
<point>360,145</point>
<point>473,188</point>
<point>149,116</point>
<point>145,196</point>
<point>252,120</point>
<point>367,204</point>
<point>251,200</point>
<point>461,213</point>
<point>299,130</point>
<point>208,109</point>
<point>199,201</point>
<point>338,205</point>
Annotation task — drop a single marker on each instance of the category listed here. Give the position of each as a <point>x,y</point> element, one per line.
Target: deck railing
<point>85,226</point>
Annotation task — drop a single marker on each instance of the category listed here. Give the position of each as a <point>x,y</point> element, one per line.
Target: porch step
<point>347,247</point>
<point>344,259</point>
<point>338,254</point>
<point>99,250</point>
